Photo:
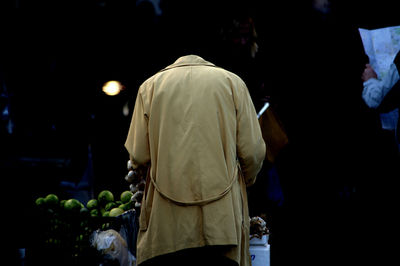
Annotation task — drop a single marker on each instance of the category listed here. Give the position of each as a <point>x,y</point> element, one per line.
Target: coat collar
<point>189,60</point>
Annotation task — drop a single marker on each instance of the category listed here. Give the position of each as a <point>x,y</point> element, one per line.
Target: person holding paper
<point>376,89</point>
<point>381,197</point>
<point>383,94</point>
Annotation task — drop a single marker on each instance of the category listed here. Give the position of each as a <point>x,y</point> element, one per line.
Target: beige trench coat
<point>194,125</point>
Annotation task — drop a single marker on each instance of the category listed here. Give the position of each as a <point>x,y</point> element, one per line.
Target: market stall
<point>68,232</point>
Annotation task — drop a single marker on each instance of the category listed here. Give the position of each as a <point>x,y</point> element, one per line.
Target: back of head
<point>190,28</point>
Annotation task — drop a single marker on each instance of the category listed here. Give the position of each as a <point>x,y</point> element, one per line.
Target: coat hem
<point>163,251</point>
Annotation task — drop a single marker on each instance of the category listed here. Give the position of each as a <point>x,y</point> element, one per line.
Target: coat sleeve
<point>375,90</point>
<point>137,142</point>
<point>250,144</point>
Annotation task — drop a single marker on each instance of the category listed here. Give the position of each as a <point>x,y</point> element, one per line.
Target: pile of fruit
<point>103,206</point>
<point>67,224</point>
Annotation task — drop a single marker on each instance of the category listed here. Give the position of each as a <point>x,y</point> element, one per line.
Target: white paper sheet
<point>381,46</point>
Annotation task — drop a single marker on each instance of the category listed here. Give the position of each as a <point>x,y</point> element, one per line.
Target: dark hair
<point>195,35</point>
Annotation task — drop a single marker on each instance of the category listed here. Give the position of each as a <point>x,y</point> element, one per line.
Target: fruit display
<point>67,225</point>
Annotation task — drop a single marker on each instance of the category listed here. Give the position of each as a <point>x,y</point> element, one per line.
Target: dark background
<point>61,134</point>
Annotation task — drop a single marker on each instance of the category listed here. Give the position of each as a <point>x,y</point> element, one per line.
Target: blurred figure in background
<point>317,59</point>
<point>382,96</point>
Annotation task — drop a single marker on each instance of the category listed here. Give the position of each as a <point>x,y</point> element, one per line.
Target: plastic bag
<point>112,245</point>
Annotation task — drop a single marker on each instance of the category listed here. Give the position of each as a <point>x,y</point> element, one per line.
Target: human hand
<point>368,73</point>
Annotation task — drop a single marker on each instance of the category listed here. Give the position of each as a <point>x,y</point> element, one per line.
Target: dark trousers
<point>205,256</point>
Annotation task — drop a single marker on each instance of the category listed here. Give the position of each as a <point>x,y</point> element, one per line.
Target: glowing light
<point>112,87</point>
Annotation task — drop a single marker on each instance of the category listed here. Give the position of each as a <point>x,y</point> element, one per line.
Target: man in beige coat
<point>195,129</point>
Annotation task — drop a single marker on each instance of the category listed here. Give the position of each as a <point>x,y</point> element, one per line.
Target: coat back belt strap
<point>196,202</point>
